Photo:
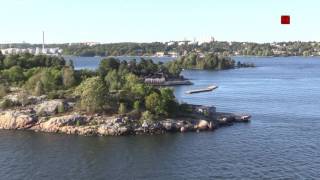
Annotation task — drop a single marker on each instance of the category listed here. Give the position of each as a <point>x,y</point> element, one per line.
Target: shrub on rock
<point>3,90</point>
<point>93,94</point>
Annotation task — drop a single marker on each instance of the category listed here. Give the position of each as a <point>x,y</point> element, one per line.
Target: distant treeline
<point>219,47</point>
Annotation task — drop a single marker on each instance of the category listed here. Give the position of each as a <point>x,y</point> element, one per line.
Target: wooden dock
<point>210,88</point>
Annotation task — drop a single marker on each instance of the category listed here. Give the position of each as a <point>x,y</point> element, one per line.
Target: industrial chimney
<point>43,41</point>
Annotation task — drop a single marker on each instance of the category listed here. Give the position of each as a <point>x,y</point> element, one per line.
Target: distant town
<point>28,48</point>
<point>167,49</point>
<point>35,51</point>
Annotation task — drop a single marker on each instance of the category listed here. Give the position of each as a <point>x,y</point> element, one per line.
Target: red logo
<point>285,19</point>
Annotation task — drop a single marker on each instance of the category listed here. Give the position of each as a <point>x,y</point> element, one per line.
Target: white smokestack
<point>42,41</point>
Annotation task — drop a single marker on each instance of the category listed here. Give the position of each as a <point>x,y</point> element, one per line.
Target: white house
<point>160,54</point>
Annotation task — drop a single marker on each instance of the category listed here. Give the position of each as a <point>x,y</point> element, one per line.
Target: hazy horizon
<point>153,42</point>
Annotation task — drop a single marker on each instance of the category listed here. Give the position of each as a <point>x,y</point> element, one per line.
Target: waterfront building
<point>31,51</point>
<point>44,51</point>
<point>160,54</point>
<point>193,43</point>
<point>11,51</point>
<point>173,54</point>
<point>155,81</point>
<point>181,43</point>
<point>37,51</point>
<point>171,43</point>
<point>3,51</point>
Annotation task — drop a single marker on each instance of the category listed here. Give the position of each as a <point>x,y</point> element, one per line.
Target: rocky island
<point>46,94</point>
<point>45,116</point>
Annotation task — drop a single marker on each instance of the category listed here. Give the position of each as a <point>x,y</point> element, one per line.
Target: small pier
<point>210,88</point>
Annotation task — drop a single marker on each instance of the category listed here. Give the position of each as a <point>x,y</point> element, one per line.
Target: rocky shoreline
<point>43,115</point>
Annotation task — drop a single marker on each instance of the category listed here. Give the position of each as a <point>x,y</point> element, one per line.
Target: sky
<point>109,21</point>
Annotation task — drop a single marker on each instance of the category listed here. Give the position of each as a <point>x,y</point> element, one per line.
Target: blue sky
<point>157,20</point>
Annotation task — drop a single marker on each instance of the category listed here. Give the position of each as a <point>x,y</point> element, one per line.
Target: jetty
<point>209,88</point>
<point>231,117</point>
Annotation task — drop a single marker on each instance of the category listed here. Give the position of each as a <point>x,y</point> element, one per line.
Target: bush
<point>93,94</point>
<point>147,116</point>
<point>122,108</point>
<point>6,103</point>
<point>14,74</point>
<point>38,90</point>
<point>23,98</point>
<point>33,82</point>
<point>137,106</point>
<point>169,106</point>
<point>61,108</point>
<point>3,90</point>
<point>56,94</point>
<point>113,80</point>
<point>162,104</point>
<point>78,123</point>
<point>44,81</point>
<point>51,79</point>
<point>153,103</point>
<point>68,77</point>
<point>107,65</point>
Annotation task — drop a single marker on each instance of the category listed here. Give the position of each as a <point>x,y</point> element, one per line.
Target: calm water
<point>281,142</point>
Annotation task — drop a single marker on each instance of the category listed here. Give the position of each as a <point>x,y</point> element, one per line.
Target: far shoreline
<point>173,58</point>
